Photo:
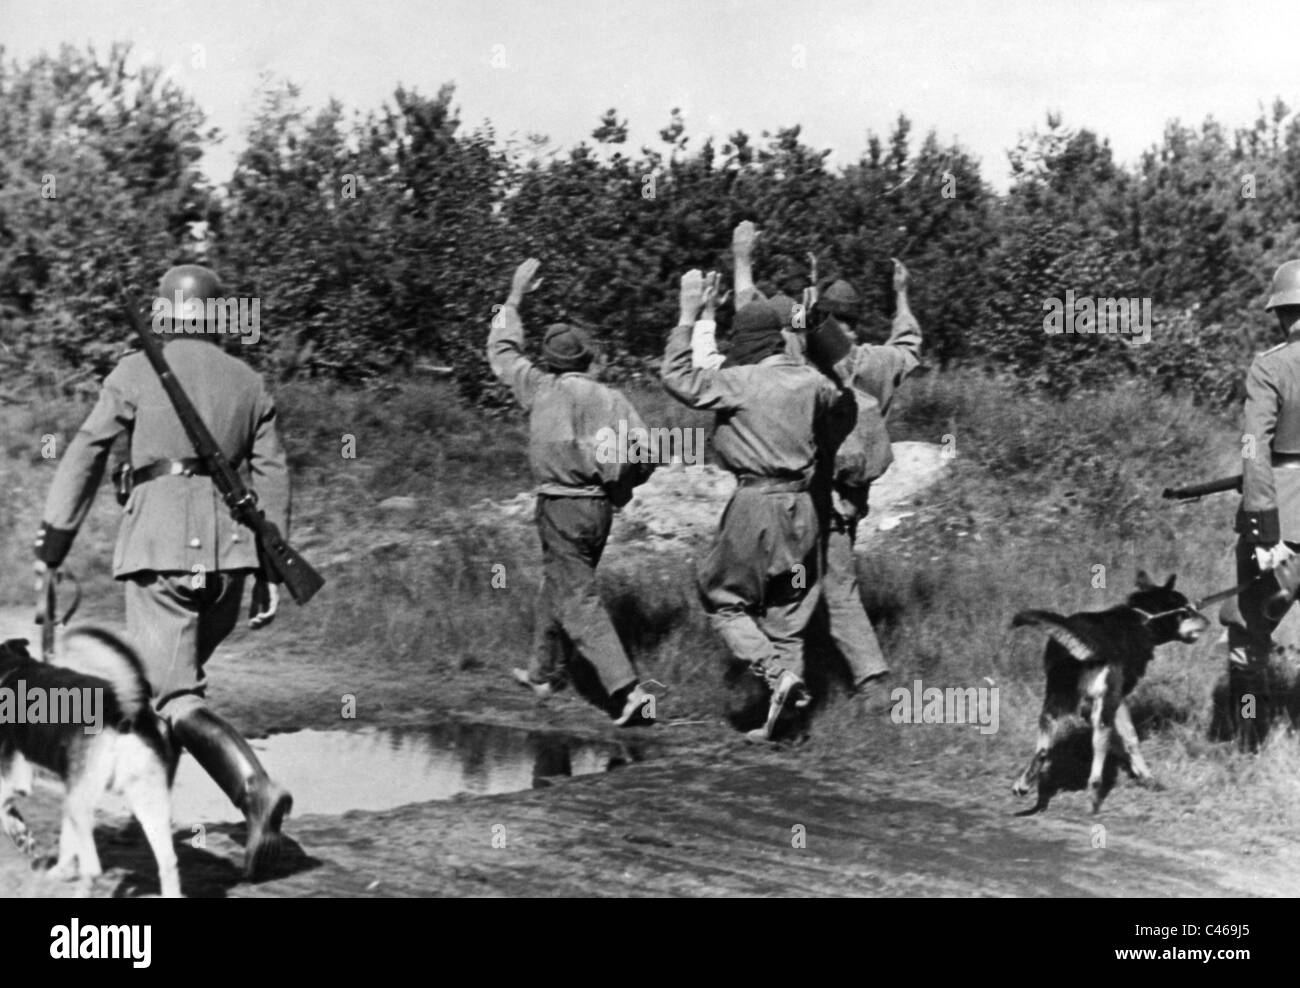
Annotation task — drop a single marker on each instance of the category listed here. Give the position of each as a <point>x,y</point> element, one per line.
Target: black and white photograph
<point>660,449</point>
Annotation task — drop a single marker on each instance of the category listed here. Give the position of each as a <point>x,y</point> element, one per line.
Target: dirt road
<point>692,811</point>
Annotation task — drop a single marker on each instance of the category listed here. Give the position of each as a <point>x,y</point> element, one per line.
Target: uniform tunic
<point>181,555</point>
<point>1270,494</point>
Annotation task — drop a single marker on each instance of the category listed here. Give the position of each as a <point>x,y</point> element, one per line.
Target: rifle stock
<point>278,558</point>
<point>1201,490</point>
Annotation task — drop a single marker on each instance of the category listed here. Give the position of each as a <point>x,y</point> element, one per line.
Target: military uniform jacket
<point>1270,492</point>
<point>173,524</point>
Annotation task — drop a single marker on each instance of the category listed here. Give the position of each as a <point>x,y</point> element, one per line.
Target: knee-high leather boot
<point>227,757</point>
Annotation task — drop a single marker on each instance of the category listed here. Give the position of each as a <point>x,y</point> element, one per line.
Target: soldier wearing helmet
<point>1268,521</point>
<point>183,560</point>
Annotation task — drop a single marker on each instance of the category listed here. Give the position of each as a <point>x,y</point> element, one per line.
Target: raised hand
<point>525,280</point>
<point>713,295</point>
<point>901,277</point>
<point>743,240</point>
<point>692,295</point>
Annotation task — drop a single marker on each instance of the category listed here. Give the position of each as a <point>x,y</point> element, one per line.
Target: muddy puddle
<point>331,772</point>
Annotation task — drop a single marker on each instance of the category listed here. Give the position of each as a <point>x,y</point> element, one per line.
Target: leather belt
<point>773,485</point>
<point>190,467</point>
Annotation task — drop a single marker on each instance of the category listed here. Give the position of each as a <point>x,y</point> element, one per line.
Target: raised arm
<point>878,369</point>
<point>742,249</point>
<point>506,340</point>
<point>704,336</point>
<point>906,331</point>
<point>698,387</point>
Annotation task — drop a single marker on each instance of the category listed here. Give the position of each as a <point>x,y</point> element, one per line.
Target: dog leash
<point>1204,602</point>
<point>47,610</point>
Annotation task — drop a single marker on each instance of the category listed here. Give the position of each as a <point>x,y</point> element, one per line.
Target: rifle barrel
<point>1202,490</point>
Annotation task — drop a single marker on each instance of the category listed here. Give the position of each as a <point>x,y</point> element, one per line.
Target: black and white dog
<point>1093,661</point>
<point>123,747</point>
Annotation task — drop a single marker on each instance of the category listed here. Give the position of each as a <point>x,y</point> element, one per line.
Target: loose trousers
<point>570,615</point>
<point>849,627</point>
<point>760,581</point>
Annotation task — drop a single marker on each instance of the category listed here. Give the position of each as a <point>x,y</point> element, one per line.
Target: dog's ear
<point>1144,581</point>
<point>1169,583</point>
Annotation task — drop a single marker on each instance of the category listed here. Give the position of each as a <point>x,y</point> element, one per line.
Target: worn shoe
<point>788,687</point>
<point>638,708</point>
<point>540,690</point>
<point>871,696</point>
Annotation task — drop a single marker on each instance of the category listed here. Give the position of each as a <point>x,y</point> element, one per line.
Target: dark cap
<point>755,335</point>
<point>783,305</point>
<point>840,301</point>
<point>829,343</point>
<point>566,348</point>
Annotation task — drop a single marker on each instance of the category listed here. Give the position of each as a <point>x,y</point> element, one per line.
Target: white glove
<point>1272,558</point>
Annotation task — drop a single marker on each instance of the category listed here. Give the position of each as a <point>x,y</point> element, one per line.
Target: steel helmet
<point>194,282</point>
<point>1286,286</point>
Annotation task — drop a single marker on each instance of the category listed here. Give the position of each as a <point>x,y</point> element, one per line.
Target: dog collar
<point>1148,618</point>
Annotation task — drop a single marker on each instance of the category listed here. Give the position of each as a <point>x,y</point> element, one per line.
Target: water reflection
<point>332,772</point>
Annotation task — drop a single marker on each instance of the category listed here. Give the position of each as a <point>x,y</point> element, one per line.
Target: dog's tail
<point>105,656</point>
<point>1059,630</point>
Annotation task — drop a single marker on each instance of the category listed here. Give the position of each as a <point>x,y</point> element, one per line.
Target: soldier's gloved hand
<point>266,601</point>
<point>1272,558</point>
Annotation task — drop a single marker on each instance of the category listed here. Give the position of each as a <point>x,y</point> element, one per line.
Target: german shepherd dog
<point>1093,661</point>
<point>127,750</point>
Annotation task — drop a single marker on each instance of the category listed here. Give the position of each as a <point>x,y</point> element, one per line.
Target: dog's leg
<point>79,809</point>
<point>1129,739</point>
<point>147,794</point>
<point>65,867</point>
<point>1030,775</point>
<point>15,781</point>
<point>1102,718</point>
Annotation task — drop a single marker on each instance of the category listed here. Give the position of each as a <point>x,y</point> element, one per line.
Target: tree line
<point>378,241</point>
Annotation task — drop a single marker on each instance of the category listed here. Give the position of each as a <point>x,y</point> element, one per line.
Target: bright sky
<point>978,72</point>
